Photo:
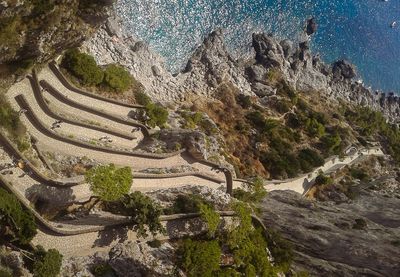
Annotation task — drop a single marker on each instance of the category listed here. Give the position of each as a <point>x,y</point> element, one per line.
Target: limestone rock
<point>324,238</point>
<point>139,259</point>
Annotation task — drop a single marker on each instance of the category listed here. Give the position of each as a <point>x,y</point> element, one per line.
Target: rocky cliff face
<point>35,31</point>
<point>212,66</point>
<point>357,238</point>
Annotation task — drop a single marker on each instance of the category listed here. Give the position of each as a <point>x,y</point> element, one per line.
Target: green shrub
<point>323,180</point>
<point>23,145</point>
<point>21,222</point>
<point>282,106</point>
<point>315,128</point>
<point>155,243</point>
<point>158,116</point>
<point>83,66</point>
<point>212,218</point>
<point>186,204</point>
<point>144,213</point>
<point>47,263</point>
<point>358,173</point>
<point>9,118</point>
<point>244,101</point>
<point>309,159</point>
<point>281,249</point>
<point>142,99</point>
<point>10,27</point>
<point>199,258</point>
<point>191,119</point>
<point>331,143</point>
<point>108,182</point>
<point>254,193</point>
<point>281,165</point>
<point>117,78</point>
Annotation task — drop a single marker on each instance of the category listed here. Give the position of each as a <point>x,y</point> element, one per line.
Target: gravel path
<point>66,129</point>
<point>48,75</point>
<point>304,183</point>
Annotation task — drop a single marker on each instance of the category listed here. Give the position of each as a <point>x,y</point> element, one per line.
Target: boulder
<point>311,26</point>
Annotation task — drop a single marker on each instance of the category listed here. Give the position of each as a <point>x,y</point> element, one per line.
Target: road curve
<point>62,98</point>
<point>46,109</point>
<point>56,71</point>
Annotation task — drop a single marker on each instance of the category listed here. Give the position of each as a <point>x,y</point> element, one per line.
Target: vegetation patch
<point>117,78</point>
<point>47,263</point>
<point>14,220</point>
<point>83,67</point>
<point>239,251</point>
<point>108,182</point>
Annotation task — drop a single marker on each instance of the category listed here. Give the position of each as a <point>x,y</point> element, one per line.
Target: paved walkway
<point>47,74</point>
<point>303,183</point>
<point>66,129</point>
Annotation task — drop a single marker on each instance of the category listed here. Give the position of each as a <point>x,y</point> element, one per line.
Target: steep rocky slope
<point>35,31</point>
<point>327,239</point>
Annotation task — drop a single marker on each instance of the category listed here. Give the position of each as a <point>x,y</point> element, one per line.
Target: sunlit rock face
<point>358,31</point>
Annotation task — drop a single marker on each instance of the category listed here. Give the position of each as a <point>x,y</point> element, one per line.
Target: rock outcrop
<point>211,65</point>
<point>357,238</point>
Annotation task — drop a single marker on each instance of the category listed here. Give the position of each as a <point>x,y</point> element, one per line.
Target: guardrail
<point>57,72</point>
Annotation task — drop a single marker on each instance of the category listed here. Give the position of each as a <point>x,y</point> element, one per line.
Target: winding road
<point>85,118</point>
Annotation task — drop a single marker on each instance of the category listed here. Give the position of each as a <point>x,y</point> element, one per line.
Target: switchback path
<point>303,183</point>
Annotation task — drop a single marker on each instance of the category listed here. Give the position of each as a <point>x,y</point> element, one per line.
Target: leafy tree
<point>144,213</point>
<point>108,182</point>
<point>117,78</point>
<point>20,221</point>
<point>83,66</point>
<point>47,263</point>
<point>200,258</point>
<point>158,116</point>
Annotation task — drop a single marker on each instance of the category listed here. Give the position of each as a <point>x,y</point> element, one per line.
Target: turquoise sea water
<point>358,30</point>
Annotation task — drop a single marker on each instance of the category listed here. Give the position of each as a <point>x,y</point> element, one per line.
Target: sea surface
<point>357,30</point>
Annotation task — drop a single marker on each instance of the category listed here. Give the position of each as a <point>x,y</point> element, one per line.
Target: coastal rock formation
<point>356,238</point>
<point>211,65</point>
